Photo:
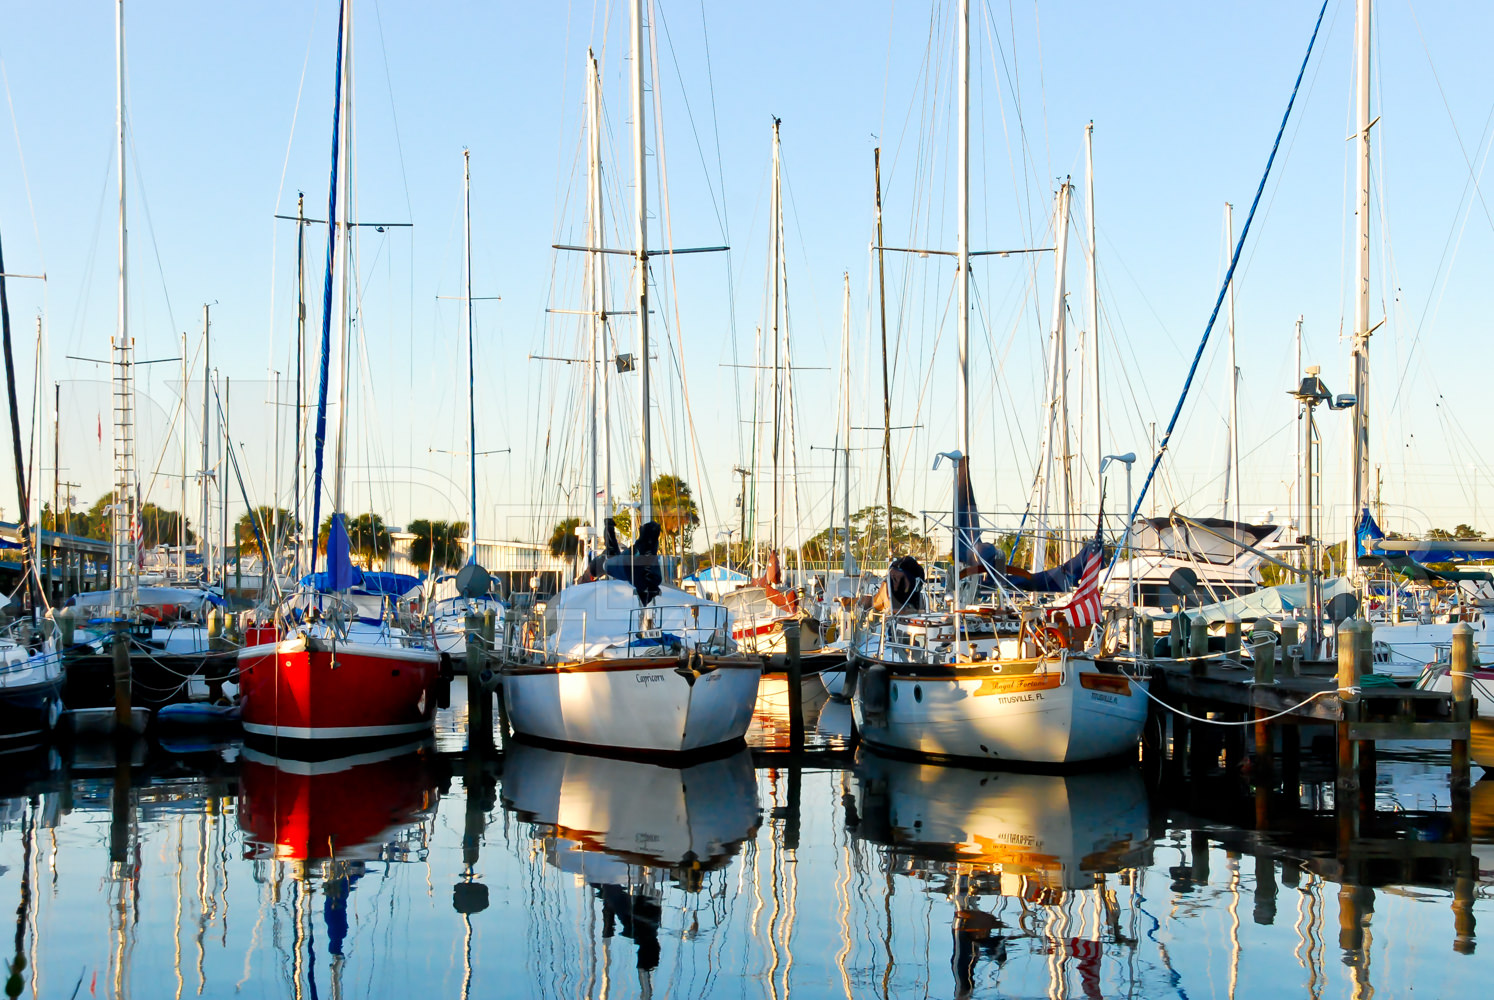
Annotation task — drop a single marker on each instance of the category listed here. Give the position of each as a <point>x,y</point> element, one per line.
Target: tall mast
<point>471,362</point>
<point>1057,377</point>
<point>601,435</point>
<point>203,548</point>
<point>775,272</point>
<point>962,239</point>
<point>886,386</point>
<point>181,522</point>
<point>123,557</point>
<point>299,460</point>
<point>1232,474</point>
<point>1065,201</point>
<point>345,303</point>
<point>1297,513</point>
<point>324,363</point>
<point>1359,473</point>
<point>845,420</point>
<point>640,208</point>
<point>1094,302</point>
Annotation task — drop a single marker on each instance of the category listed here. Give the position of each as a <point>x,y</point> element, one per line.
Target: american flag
<point>1084,607</point>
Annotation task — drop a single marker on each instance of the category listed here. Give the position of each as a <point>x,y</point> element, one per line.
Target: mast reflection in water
<point>214,871</point>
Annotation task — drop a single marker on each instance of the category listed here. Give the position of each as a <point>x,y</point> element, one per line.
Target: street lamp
<point>1310,394</point>
<point>1128,460</point>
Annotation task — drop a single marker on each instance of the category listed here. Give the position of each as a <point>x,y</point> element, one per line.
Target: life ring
<point>1053,637</point>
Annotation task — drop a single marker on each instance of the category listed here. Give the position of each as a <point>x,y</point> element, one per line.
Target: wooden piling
<point>1462,692</point>
<point>1291,652</point>
<point>1148,638</point>
<point>793,667</point>
<point>1198,644</point>
<point>121,651</point>
<point>1232,638</point>
<point>479,700</point>
<point>1348,683</point>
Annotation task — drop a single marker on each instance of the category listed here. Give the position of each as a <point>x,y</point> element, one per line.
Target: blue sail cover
<point>1439,550</point>
<point>967,519</point>
<point>341,574</point>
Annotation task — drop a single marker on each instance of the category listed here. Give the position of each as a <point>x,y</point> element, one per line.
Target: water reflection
<point>629,830</point>
<point>1023,858</point>
<point>546,874</point>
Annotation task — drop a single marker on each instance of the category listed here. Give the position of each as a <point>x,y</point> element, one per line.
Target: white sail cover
<point>605,619</point>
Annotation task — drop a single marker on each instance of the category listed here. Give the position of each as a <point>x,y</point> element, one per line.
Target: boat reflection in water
<point>327,819</point>
<point>1039,847</point>
<point>628,829</point>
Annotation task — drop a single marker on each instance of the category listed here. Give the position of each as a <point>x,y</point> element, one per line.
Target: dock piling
<point>1291,646</point>
<point>1232,638</point>
<point>1462,693</point>
<point>793,667</point>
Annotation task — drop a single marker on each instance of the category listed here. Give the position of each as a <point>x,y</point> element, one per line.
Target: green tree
<point>160,526</point>
<point>368,537</point>
<point>274,522</point>
<point>674,509</point>
<point>1467,533</point>
<point>564,543</point>
<point>437,544</point>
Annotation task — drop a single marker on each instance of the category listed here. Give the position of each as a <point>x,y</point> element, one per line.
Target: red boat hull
<point>309,689</point>
<point>348,808</point>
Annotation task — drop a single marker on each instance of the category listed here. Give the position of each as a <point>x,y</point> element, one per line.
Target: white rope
<point>1246,722</point>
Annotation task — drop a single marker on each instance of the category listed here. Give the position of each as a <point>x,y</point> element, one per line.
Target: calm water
<point>220,872</point>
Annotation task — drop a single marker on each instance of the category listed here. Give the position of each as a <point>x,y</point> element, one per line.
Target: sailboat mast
<point>886,384</point>
<point>298,459</point>
<point>640,208</point>
<point>471,361</point>
<point>962,239</point>
<point>123,536</point>
<point>203,546</point>
<point>775,272</point>
<point>181,522</point>
<point>1094,303</point>
<point>1232,475</point>
<point>601,478</point>
<point>1065,200</point>
<point>845,421</point>
<point>1359,474</point>
<point>344,279</point>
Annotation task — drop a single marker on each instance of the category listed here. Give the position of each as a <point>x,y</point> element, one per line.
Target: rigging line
<point>1219,301</point>
<point>15,126</point>
<point>284,169</point>
<point>150,227</point>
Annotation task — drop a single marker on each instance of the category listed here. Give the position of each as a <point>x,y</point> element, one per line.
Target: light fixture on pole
<point>1128,460</point>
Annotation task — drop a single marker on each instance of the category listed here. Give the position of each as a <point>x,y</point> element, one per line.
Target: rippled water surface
<point>220,871</point>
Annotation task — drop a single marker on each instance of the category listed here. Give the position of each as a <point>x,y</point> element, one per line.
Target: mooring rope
<point>1225,722</point>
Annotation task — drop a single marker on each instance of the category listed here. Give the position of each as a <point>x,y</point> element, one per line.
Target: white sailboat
<point>958,683</point>
<point>622,661</point>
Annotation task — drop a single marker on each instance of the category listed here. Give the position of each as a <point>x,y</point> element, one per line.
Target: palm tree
<point>272,521</point>
<point>367,536</point>
<point>564,543</point>
<point>437,544</point>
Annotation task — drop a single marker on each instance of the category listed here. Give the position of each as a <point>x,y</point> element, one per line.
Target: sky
<point>229,113</point>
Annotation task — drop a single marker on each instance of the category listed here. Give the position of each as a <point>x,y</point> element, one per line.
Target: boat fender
<point>443,692</point>
<point>447,670</point>
<point>853,672</point>
<point>875,685</point>
<point>54,713</point>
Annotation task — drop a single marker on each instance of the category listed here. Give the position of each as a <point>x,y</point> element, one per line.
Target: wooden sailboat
<point>324,672</point>
<point>989,682</point>
<point>623,662</point>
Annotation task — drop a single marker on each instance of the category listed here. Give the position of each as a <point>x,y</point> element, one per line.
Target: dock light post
<point>1128,460</point>
<point>1310,394</point>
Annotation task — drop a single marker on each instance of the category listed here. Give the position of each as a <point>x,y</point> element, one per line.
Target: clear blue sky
<point>1185,100</point>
